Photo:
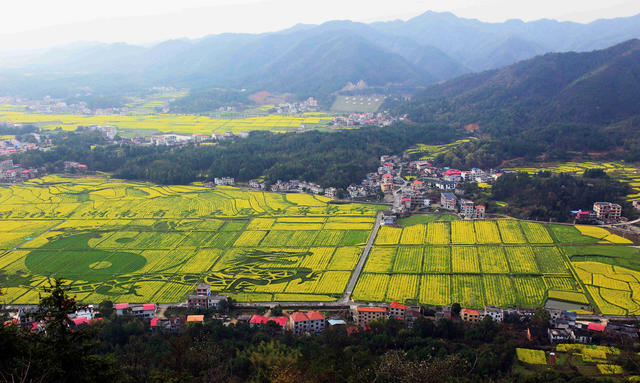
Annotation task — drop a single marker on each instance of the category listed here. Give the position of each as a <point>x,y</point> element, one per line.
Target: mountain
<point>573,101</point>
<point>311,59</point>
<point>481,46</point>
<point>304,59</point>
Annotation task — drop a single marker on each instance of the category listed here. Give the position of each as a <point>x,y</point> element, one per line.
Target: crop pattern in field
<point>138,242</point>
<point>503,263</point>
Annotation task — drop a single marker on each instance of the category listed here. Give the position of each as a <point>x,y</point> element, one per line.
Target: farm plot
<point>403,287</point>
<point>521,260</point>
<point>464,259</point>
<point>493,260</point>
<point>413,235</point>
<point>138,242</point>
<point>487,232</point>
<point>381,260</point>
<point>388,235</point>
<point>510,231</point>
<point>438,233</point>
<point>435,289</point>
<point>499,291</point>
<point>463,233</point>
<point>437,259</point>
<point>408,260</point>
<point>536,233</point>
<point>468,290</point>
<point>371,287</point>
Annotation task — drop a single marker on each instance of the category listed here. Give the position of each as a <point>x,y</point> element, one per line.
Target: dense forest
<point>124,349</point>
<point>550,197</point>
<point>557,104</point>
<point>330,159</point>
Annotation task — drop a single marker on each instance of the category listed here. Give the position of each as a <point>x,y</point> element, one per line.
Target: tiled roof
<point>315,315</point>
<point>372,309</point>
<point>195,318</point>
<point>122,306</point>
<point>298,317</point>
<point>396,305</point>
<point>470,312</point>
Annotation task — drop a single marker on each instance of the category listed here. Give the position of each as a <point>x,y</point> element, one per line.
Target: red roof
<point>470,312</point>
<point>299,317</point>
<point>195,318</point>
<point>596,327</point>
<point>122,306</point>
<point>149,306</point>
<point>372,309</point>
<point>257,319</point>
<point>481,207</point>
<point>315,315</point>
<point>154,322</point>
<point>79,321</point>
<point>416,182</point>
<point>396,305</point>
<point>387,176</point>
<point>406,200</point>
<point>281,321</point>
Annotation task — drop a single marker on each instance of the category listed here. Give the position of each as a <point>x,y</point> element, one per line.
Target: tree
<point>541,318</point>
<point>106,308</point>
<point>455,310</point>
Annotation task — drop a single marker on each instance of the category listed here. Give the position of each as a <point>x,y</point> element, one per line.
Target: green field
<point>138,242</point>
<point>501,263</point>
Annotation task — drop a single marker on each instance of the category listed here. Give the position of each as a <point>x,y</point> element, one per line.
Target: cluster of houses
<point>564,326</point>
<point>602,213</point>
<point>364,315</point>
<point>295,186</point>
<point>426,180</point>
<point>299,323</point>
<point>466,208</point>
<point>182,139</point>
<point>75,167</point>
<point>11,145</point>
<point>306,106</point>
<point>10,172</point>
<point>365,119</point>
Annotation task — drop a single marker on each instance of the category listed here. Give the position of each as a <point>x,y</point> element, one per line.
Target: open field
<point>138,242</point>
<point>357,104</point>
<point>168,123</point>
<point>504,263</point>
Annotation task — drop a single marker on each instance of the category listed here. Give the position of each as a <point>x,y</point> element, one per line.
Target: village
<point>558,325</point>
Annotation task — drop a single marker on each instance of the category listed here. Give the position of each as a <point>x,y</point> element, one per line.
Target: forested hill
<point>565,101</point>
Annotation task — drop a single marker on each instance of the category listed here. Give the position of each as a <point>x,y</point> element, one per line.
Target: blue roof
<point>449,196</point>
<point>334,322</point>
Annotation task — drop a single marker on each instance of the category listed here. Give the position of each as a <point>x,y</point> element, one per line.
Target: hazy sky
<point>44,23</point>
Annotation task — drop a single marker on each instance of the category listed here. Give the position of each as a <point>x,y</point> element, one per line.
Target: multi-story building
<point>469,315</point>
<point>480,212</point>
<point>448,201</point>
<point>146,311</point>
<point>495,313</point>
<point>397,310</point>
<point>317,322</point>
<point>607,211</point>
<point>364,315</point>
<point>299,323</point>
<point>467,207</point>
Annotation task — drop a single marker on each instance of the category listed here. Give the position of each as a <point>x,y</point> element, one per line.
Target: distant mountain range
<point>309,59</point>
<point>573,101</point>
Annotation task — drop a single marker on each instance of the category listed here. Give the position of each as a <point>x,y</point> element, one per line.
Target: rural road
<point>363,258</point>
<point>346,298</point>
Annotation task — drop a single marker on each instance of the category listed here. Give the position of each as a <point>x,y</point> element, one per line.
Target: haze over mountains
<point>309,59</point>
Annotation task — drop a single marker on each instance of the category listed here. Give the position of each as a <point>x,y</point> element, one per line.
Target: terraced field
<point>138,242</point>
<point>503,263</point>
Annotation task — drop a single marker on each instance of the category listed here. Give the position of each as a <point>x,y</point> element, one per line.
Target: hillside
<point>572,101</point>
<point>307,59</point>
<point>480,46</point>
